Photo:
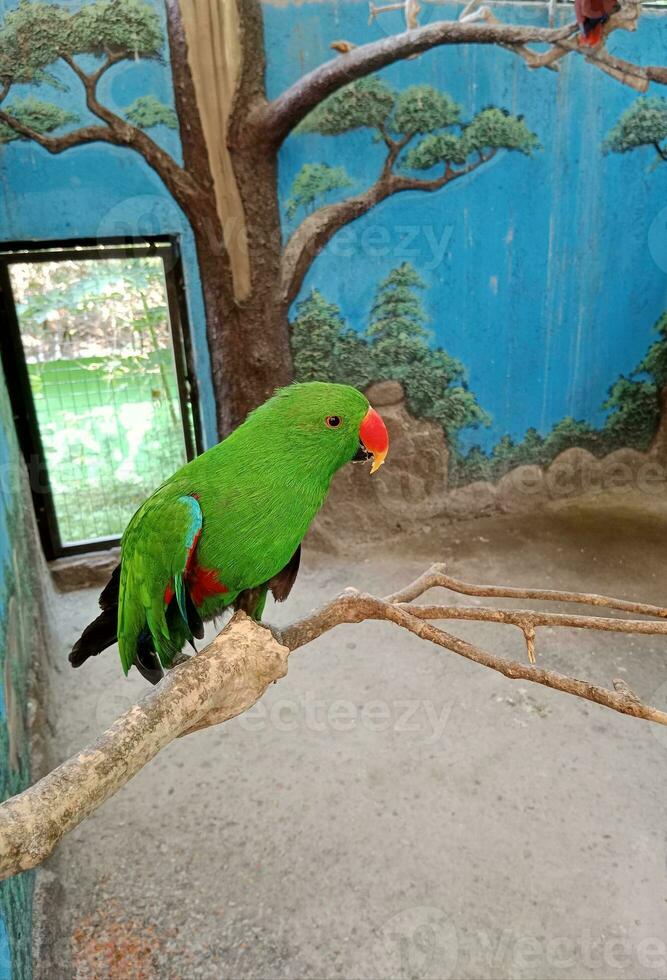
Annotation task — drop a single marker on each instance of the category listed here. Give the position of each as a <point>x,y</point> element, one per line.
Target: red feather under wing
<point>203,583</point>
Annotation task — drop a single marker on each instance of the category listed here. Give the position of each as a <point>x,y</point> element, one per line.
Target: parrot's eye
<point>333,421</point>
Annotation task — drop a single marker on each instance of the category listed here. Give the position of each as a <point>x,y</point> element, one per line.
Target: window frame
<point>17,378</point>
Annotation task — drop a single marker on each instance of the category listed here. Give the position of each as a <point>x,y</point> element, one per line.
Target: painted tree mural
<point>634,420</point>
<point>395,346</point>
<point>421,129</point>
<point>227,183</point>
<point>643,124</point>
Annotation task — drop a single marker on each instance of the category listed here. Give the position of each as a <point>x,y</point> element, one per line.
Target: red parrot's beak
<point>375,438</point>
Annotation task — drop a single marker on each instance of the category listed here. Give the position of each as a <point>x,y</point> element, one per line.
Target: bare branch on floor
<point>234,671</point>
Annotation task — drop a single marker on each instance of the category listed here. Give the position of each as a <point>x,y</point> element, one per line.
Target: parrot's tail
<point>101,633</point>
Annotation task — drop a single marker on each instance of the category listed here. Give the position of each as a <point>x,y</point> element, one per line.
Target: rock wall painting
<point>396,347</point>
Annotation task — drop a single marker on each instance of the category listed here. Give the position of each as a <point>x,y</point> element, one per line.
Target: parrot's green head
<point>321,426</point>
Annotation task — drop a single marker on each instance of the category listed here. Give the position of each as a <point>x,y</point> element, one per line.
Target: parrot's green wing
<point>157,547</point>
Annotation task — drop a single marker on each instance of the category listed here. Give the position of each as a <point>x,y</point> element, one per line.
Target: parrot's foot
<point>180,658</point>
<point>275,631</point>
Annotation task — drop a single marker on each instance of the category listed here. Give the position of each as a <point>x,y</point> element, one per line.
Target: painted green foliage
<point>643,124</point>
<point>147,111</point>
<point>422,124</point>
<point>633,405</point>
<point>313,181</point>
<point>395,346</point>
<point>655,362</point>
<point>36,36</point>
<point>42,117</point>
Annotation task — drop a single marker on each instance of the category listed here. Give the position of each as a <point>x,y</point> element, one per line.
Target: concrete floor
<point>391,810</point>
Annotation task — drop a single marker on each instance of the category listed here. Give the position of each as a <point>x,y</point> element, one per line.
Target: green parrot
<point>227,527</point>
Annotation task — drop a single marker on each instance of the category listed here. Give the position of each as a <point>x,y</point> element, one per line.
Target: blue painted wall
<point>21,616</point>
<point>100,191</point>
<point>545,274</point>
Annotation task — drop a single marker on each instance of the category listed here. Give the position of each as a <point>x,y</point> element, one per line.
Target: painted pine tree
<point>644,124</point>
<point>433,380</point>
<point>395,346</point>
<point>397,325</point>
<point>324,346</point>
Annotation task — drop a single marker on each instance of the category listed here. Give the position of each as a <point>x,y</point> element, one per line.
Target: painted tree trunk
<point>248,340</point>
<point>237,236</point>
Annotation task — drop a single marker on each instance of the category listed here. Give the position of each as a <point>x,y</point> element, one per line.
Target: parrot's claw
<point>181,658</point>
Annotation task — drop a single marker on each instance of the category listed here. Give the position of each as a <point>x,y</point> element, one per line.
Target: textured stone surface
<point>523,488</point>
<point>410,491</point>
<point>474,500</point>
<point>385,393</point>
<point>624,467</point>
<point>572,473</point>
<point>84,571</point>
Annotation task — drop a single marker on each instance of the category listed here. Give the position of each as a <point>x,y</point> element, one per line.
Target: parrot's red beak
<point>375,438</point>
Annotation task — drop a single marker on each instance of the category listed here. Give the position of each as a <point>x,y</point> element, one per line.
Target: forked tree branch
<point>273,121</point>
<point>116,131</point>
<point>113,58</point>
<point>318,228</point>
<point>177,180</point>
<point>276,119</point>
<point>234,671</point>
<point>635,76</point>
<point>58,144</point>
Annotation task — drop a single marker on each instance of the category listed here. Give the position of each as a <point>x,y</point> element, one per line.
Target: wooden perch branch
<point>234,671</point>
<point>222,681</point>
<point>354,607</point>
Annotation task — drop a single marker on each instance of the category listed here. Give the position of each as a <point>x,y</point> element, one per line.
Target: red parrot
<point>591,15</point>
